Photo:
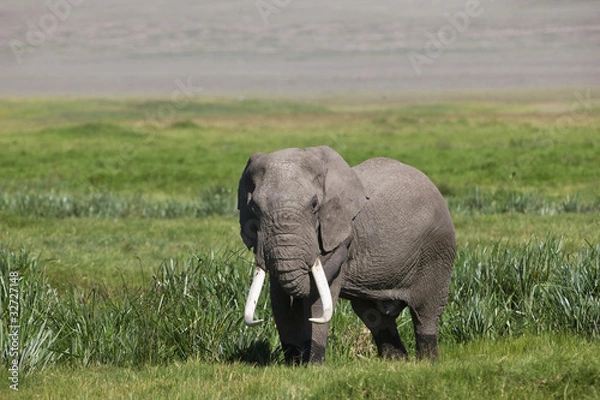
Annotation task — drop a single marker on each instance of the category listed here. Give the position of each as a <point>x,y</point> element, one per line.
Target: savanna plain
<point>118,216</point>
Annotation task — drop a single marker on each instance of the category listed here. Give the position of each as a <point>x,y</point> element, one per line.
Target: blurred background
<point>296,47</point>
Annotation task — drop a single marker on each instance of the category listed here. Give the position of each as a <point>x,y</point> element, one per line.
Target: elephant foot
<point>317,353</point>
<point>389,344</point>
<point>382,326</point>
<point>427,347</point>
<point>293,354</point>
<point>390,352</point>
<point>309,352</point>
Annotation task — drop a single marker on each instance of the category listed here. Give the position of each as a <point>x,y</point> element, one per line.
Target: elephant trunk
<point>293,277</point>
<point>288,257</point>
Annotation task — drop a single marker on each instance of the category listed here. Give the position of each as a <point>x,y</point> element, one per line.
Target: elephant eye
<point>314,203</point>
<point>253,207</point>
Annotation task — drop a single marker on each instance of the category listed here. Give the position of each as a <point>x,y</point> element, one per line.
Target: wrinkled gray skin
<point>382,230</point>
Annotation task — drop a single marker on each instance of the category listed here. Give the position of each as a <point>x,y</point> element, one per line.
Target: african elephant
<point>378,234</point>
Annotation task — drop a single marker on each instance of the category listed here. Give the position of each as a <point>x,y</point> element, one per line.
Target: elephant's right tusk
<point>324,292</point>
<point>252,300</point>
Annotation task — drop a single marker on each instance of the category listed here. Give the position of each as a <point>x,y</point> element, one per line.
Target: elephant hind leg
<point>383,328</point>
<point>426,311</point>
<point>426,329</point>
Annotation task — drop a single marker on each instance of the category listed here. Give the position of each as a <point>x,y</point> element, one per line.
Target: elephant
<point>378,234</point>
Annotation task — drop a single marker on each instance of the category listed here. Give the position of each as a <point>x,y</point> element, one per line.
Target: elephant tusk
<point>324,292</point>
<point>252,300</point>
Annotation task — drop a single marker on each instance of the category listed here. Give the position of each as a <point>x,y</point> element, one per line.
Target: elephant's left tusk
<point>324,292</point>
<point>252,300</point>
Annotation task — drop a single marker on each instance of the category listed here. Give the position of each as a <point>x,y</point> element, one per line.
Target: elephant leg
<point>426,329</point>
<point>289,318</point>
<point>427,308</point>
<point>383,328</point>
<point>314,347</point>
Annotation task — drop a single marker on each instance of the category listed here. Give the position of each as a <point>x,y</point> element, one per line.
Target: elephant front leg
<point>289,318</point>
<point>316,343</point>
<point>302,341</point>
<point>318,333</point>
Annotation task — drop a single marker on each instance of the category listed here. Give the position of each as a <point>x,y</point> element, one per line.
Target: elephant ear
<point>248,221</point>
<point>343,198</point>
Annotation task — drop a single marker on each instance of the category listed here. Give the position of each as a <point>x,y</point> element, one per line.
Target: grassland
<point>121,221</point>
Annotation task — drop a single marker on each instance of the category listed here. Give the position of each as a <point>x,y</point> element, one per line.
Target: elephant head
<point>297,206</point>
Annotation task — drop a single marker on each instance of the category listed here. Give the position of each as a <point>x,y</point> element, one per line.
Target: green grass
<point>134,275</point>
<point>87,251</point>
<point>460,147</point>
<point>530,367</point>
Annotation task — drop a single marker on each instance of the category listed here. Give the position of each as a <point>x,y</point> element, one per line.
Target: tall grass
<point>192,308</point>
<point>220,200</point>
<point>534,288</point>
<point>211,201</point>
<point>478,201</point>
<point>37,335</point>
